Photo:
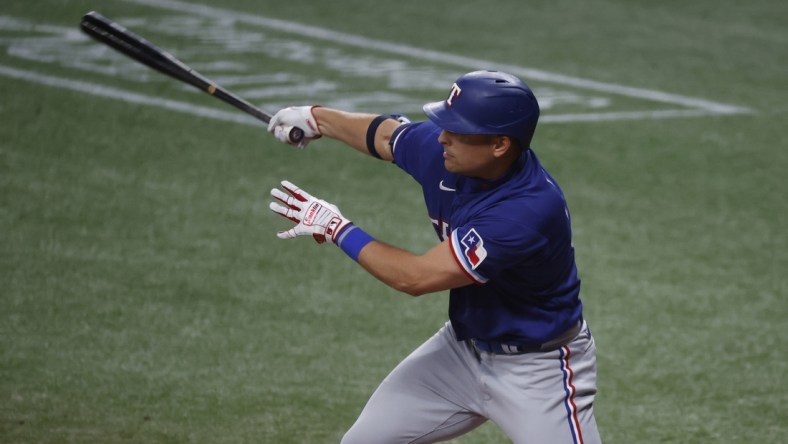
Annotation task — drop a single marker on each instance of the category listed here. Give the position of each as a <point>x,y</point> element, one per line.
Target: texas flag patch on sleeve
<point>473,245</point>
<point>469,252</point>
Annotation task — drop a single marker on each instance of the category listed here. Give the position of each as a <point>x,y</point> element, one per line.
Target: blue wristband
<point>352,239</point>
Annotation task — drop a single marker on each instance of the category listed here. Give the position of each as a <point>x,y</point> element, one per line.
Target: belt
<point>500,348</point>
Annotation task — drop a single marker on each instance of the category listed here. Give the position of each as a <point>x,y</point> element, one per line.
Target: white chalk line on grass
<point>237,117</point>
<point>465,62</point>
<point>126,96</point>
<point>697,107</point>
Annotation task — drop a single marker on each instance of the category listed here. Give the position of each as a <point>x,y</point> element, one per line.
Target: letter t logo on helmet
<point>455,92</point>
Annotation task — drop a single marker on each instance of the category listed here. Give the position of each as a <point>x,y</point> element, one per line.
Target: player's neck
<point>500,168</point>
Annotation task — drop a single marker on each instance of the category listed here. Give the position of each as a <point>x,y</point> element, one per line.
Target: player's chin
<point>450,166</point>
<point>449,162</point>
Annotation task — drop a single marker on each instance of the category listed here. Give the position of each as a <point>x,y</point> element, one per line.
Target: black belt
<point>500,348</point>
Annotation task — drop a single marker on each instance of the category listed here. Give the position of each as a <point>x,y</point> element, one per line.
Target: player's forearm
<point>351,129</point>
<point>394,267</point>
<point>410,273</point>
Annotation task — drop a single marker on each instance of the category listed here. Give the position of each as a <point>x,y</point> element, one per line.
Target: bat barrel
<point>138,48</point>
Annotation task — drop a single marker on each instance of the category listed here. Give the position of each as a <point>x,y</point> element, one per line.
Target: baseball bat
<point>138,48</point>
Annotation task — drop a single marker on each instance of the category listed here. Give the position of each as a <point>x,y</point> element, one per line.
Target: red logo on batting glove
<point>332,226</point>
<point>311,213</point>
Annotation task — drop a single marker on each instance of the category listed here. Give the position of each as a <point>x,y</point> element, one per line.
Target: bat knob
<point>296,135</point>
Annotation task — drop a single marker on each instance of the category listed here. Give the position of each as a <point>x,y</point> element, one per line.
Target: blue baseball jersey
<point>511,235</point>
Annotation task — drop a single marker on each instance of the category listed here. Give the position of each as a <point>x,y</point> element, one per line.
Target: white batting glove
<point>313,216</point>
<point>295,116</point>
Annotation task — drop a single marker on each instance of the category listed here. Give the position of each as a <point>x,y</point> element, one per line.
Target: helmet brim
<point>446,118</point>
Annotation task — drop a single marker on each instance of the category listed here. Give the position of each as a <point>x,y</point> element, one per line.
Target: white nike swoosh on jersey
<point>444,187</point>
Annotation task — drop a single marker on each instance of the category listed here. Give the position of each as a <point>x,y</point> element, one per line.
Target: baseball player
<point>516,349</point>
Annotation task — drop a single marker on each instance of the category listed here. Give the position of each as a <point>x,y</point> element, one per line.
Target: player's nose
<point>443,138</point>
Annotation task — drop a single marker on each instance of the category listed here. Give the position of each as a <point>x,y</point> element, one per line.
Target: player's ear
<point>504,145</point>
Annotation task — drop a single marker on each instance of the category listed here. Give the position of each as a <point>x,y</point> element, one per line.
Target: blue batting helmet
<point>488,102</point>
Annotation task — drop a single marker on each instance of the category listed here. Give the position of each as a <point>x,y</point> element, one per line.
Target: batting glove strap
<point>352,239</point>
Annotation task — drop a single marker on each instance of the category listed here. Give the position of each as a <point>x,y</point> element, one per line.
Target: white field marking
<point>127,96</point>
<point>709,107</point>
<point>625,115</point>
<point>702,107</point>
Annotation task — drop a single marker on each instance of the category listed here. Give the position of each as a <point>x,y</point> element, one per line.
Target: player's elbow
<point>412,282</point>
<point>411,288</point>
<point>424,280</point>
<point>418,283</point>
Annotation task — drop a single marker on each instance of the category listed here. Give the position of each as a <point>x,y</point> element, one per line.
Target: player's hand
<point>295,116</point>
<point>313,216</point>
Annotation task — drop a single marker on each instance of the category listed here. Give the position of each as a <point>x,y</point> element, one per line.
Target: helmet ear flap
<point>488,102</point>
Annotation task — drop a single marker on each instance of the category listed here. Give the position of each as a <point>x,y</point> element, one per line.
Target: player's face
<point>470,154</point>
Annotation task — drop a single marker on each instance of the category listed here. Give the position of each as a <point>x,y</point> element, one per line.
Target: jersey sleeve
<point>416,149</point>
<point>485,247</point>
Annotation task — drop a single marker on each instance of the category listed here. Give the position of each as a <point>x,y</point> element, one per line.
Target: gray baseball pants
<point>446,388</point>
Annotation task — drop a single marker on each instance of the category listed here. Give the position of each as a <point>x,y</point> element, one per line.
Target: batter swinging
<point>516,349</point>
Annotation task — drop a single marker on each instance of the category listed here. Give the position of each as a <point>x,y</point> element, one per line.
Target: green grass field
<point>145,298</point>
